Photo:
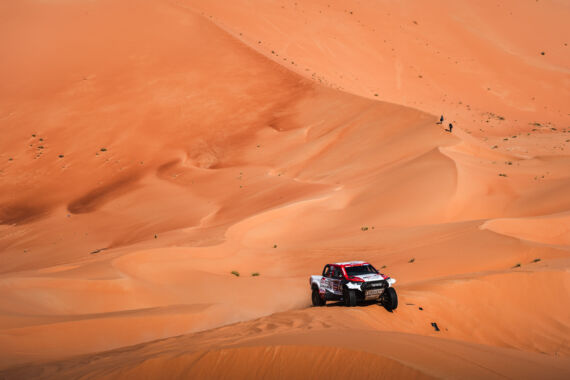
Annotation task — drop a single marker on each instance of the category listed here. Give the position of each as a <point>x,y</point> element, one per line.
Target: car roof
<point>350,263</point>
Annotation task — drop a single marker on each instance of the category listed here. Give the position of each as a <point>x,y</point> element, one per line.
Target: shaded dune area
<point>148,151</point>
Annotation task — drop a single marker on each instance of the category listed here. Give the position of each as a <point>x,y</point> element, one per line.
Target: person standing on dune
<point>440,120</point>
<point>450,127</point>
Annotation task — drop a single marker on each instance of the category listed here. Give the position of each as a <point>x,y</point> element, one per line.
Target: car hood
<point>371,277</point>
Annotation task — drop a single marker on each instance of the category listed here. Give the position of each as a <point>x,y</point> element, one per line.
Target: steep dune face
<point>124,110</point>
<point>470,61</point>
<point>150,149</point>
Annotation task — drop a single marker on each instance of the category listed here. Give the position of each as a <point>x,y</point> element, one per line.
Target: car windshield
<point>360,270</point>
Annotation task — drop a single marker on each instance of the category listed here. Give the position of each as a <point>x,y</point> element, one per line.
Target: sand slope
<point>150,150</point>
<point>318,341</point>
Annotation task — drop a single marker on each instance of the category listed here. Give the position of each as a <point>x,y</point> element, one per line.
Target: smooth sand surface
<point>151,148</point>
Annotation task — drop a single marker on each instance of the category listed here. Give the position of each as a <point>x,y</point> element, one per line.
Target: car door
<point>325,280</point>
<point>336,280</point>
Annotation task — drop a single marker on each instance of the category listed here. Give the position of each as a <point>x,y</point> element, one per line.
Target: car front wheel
<point>316,297</point>
<point>349,297</point>
<point>390,299</point>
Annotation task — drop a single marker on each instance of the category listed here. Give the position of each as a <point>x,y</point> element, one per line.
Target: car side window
<point>338,273</point>
<point>327,271</point>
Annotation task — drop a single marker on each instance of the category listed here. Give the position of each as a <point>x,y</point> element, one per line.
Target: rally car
<point>352,282</point>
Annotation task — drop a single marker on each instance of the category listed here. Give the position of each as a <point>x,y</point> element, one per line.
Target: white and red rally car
<point>351,282</point>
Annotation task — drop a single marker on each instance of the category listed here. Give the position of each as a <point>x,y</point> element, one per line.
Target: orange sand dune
<point>549,229</point>
<point>151,148</point>
<point>473,61</point>
<point>307,344</point>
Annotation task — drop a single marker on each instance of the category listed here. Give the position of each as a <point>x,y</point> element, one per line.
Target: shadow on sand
<point>358,304</point>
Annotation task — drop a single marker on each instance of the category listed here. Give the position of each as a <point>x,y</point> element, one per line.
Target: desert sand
<point>150,148</point>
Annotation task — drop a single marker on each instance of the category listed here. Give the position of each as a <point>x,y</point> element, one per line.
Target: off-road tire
<point>316,298</point>
<point>349,297</point>
<point>390,299</point>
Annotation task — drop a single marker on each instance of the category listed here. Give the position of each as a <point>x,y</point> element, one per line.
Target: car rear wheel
<point>349,297</point>
<point>390,299</point>
<point>316,297</point>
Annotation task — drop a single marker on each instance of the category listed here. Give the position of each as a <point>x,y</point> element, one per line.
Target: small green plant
<point>364,228</point>
<point>103,149</point>
<point>502,175</point>
<point>412,260</point>
<point>60,156</point>
<point>235,273</point>
<point>535,260</point>
<point>274,245</point>
<point>383,266</point>
<point>254,274</point>
<point>494,147</point>
<point>517,265</point>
